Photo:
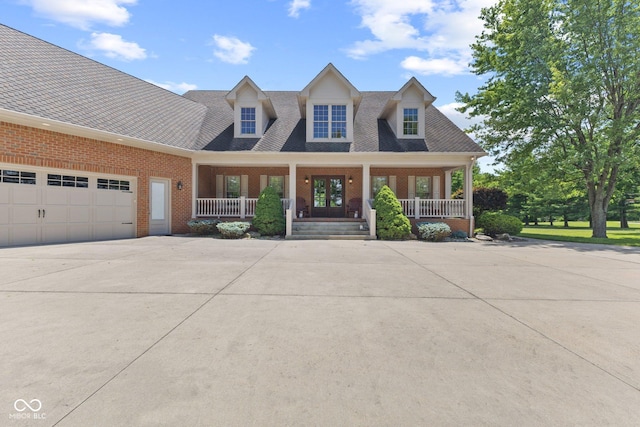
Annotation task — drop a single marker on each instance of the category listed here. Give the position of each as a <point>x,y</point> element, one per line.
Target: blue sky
<point>280,44</point>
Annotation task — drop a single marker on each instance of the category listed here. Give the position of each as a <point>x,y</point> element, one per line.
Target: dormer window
<point>410,121</point>
<point>322,121</point>
<point>248,121</point>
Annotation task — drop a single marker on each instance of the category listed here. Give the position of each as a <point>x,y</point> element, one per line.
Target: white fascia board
<point>87,132</point>
<point>413,159</point>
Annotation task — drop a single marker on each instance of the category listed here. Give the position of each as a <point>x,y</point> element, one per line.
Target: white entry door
<point>159,223</point>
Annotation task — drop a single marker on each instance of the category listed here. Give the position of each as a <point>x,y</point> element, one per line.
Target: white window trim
<point>400,120</point>
<point>330,103</point>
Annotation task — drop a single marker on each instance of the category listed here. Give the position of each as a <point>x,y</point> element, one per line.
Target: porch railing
<point>434,208</point>
<point>241,207</point>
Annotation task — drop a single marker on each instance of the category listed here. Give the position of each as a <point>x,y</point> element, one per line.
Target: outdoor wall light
<point>179,185</point>
<point>350,180</point>
<point>306,179</point>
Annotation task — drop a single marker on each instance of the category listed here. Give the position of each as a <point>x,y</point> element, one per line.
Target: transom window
<point>17,177</point>
<point>248,121</point>
<point>113,184</point>
<point>232,185</point>
<point>277,183</point>
<point>410,121</point>
<point>377,182</point>
<point>423,187</point>
<point>67,181</point>
<point>323,121</point>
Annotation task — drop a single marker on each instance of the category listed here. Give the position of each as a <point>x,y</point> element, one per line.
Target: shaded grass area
<point>580,232</point>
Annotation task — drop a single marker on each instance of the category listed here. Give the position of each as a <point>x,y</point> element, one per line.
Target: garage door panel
<point>4,194</point>
<point>55,233</point>
<point>55,196</point>
<point>79,232</point>
<point>79,214</point>
<point>24,195</point>
<point>4,235</point>
<point>105,214</point>
<point>81,197</point>
<point>56,214</point>
<point>4,215</point>
<point>105,198</point>
<point>25,215</point>
<point>123,231</point>
<point>23,235</point>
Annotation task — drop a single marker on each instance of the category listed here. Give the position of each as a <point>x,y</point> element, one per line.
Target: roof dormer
<point>252,109</point>
<point>329,103</point>
<point>405,111</point>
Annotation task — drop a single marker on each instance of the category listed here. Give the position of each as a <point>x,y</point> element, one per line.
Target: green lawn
<point>580,232</point>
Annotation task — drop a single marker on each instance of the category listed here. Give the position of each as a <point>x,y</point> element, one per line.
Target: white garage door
<point>53,206</point>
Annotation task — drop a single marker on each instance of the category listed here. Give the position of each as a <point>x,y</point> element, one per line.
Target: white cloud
<point>113,46</point>
<point>83,13</point>
<point>175,87</point>
<point>296,6</point>
<point>232,50</point>
<point>442,29</point>
<point>441,66</point>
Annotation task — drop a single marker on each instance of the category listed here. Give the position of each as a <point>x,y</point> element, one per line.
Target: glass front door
<point>328,196</point>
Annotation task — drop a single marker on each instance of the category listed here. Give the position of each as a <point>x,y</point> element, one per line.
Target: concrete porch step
<point>330,230</point>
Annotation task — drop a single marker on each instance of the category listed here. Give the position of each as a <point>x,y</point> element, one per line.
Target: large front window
<point>377,182</point>
<point>277,183</point>
<point>423,187</point>
<point>410,121</point>
<point>248,121</point>
<point>329,125</point>
<point>232,184</point>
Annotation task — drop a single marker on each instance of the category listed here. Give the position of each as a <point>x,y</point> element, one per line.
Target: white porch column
<point>447,184</point>
<point>194,189</point>
<point>366,183</point>
<point>293,173</point>
<point>468,189</point>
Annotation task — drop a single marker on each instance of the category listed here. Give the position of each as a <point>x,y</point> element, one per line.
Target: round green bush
<point>269,217</point>
<point>391,223</point>
<point>494,223</point>
<point>233,230</point>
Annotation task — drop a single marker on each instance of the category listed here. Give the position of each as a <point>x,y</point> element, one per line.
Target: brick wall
<point>36,147</point>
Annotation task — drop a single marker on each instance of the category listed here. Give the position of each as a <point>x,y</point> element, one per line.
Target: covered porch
<point>307,190</point>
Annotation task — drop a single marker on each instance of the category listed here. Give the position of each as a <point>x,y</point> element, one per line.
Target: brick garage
<point>22,145</point>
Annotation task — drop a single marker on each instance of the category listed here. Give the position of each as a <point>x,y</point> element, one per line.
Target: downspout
<point>469,178</point>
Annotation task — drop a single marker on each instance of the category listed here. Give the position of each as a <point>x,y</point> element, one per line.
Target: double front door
<point>328,196</point>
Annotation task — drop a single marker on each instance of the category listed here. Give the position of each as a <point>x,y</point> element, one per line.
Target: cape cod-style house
<point>88,152</point>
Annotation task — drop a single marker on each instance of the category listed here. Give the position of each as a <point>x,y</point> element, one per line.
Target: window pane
<point>423,187</point>
<point>319,193</point>
<point>321,121</point>
<point>338,121</point>
<point>336,192</point>
<point>157,200</point>
<point>377,182</point>
<point>248,121</point>
<point>410,121</point>
<point>277,183</point>
<point>233,187</point>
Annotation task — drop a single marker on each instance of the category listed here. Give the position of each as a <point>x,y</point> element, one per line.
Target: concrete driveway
<point>183,331</point>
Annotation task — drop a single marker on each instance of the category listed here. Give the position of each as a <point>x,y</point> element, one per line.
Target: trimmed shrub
<point>434,232</point>
<point>233,230</point>
<point>203,226</point>
<point>391,223</point>
<point>494,223</point>
<point>269,217</point>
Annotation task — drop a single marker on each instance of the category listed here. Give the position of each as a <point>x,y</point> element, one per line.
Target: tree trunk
<point>566,220</point>
<point>598,220</point>
<point>623,215</point>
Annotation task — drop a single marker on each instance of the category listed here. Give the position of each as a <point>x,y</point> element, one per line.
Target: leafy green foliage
<point>488,199</point>
<point>434,232</point>
<point>203,226</point>
<point>269,217</point>
<point>562,85</point>
<point>233,230</point>
<point>494,223</point>
<point>391,223</point>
